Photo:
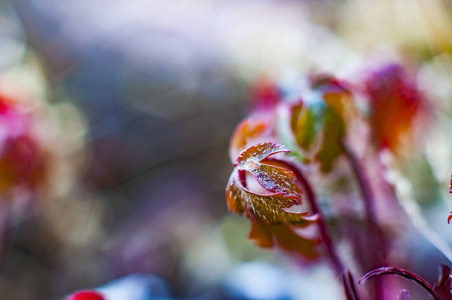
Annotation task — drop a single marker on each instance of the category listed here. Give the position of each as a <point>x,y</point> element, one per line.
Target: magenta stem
<point>339,267</point>
<point>401,272</point>
<point>363,182</point>
<point>379,253</point>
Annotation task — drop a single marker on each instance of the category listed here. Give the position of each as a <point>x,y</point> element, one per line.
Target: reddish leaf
<point>281,184</point>
<point>265,93</point>
<point>267,208</point>
<point>395,101</point>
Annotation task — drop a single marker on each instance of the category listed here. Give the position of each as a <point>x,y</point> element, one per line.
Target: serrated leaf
<point>259,152</point>
<point>282,186</point>
<point>267,208</point>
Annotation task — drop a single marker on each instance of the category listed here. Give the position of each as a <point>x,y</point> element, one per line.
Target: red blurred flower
<point>86,295</point>
<point>22,159</point>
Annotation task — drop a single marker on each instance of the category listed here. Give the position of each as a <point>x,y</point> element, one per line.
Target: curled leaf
<point>319,121</point>
<point>280,184</point>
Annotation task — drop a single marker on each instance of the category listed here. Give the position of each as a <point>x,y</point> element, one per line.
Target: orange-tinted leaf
<point>259,152</point>
<point>267,208</point>
<point>234,196</point>
<point>261,234</point>
<point>281,184</point>
<point>395,101</point>
<point>284,237</point>
<point>247,131</point>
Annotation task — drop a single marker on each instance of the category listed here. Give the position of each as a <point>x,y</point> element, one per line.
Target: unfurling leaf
<point>321,117</point>
<point>283,191</point>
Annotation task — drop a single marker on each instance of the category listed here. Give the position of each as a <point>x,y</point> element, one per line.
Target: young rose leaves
<point>273,225</point>
<point>322,117</point>
<point>395,101</point>
<point>281,186</point>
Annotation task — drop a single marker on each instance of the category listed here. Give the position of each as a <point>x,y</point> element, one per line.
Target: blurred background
<point>124,111</point>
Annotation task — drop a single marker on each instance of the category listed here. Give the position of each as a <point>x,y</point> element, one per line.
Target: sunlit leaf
<point>267,208</point>
<point>283,191</point>
<point>259,152</point>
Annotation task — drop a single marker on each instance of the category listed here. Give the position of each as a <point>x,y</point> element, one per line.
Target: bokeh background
<point>131,105</point>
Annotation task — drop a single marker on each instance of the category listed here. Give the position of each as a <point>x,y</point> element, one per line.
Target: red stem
<point>363,182</point>
<point>401,272</point>
<point>379,255</point>
<point>339,267</point>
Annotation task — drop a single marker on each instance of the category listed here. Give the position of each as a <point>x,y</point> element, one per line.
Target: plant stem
<point>378,254</point>
<point>338,266</point>
<point>347,279</point>
<point>363,182</point>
